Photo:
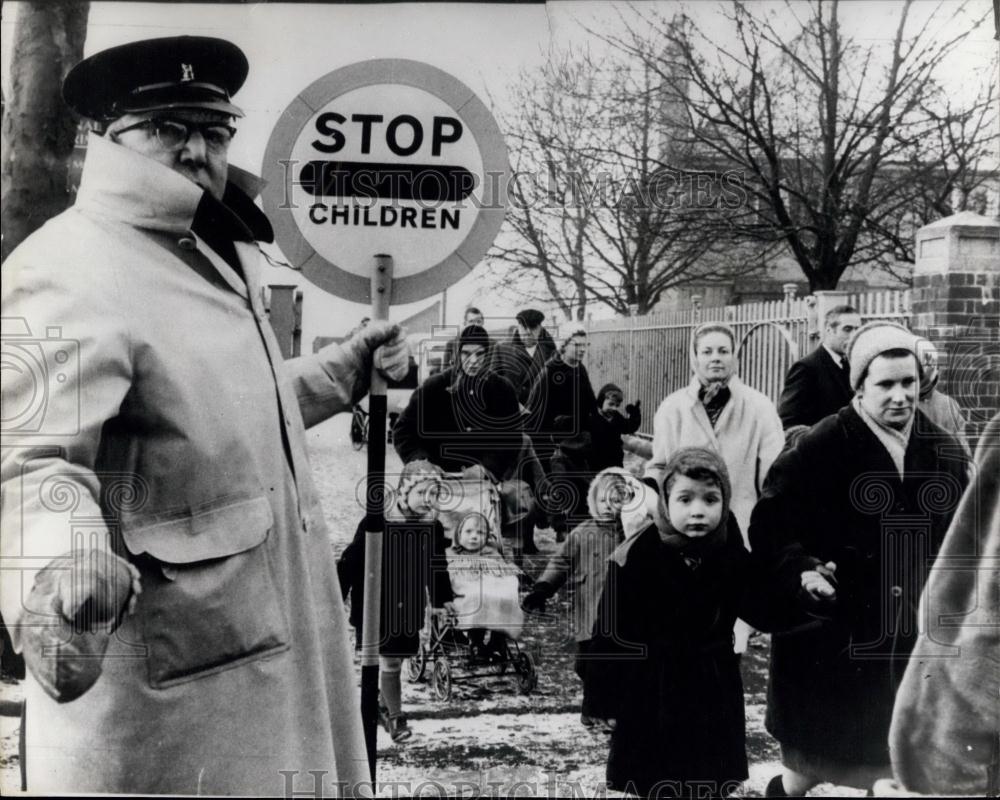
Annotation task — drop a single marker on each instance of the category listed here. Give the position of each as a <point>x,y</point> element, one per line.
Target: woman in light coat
<point>718,411</point>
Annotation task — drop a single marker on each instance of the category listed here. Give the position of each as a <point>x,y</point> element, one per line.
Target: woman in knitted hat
<point>671,596</point>
<point>415,546</point>
<point>865,497</point>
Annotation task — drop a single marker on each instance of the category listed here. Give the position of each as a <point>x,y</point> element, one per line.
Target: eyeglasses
<point>173,134</point>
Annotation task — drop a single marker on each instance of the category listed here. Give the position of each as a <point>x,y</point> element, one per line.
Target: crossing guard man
<point>168,572</point>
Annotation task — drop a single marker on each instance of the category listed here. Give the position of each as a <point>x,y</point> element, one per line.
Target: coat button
<point>896,591</point>
<point>187,243</point>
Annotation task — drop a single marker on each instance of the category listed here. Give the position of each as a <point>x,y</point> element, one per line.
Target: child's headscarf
<point>414,473</point>
<point>700,464</point>
<point>697,463</point>
<point>491,544</point>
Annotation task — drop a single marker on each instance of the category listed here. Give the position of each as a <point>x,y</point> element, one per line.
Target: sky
<point>486,46</point>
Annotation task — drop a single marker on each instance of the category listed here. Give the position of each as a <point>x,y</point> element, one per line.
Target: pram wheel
<point>441,679</point>
<point>524,672</point>
<point>416,665</point>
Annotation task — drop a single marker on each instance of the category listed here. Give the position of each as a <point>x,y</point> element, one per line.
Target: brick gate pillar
<point>955,303</point>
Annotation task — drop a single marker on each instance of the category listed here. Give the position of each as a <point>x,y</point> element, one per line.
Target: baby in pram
<point>485,585</point>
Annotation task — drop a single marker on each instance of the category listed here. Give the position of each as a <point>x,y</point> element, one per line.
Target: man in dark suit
<point>818,385</point>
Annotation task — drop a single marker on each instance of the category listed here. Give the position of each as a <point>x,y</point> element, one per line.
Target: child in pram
<point>485,586</point>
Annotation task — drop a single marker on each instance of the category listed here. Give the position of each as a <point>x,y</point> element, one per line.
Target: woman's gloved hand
<point>535,599</point>
<point>78,600</point>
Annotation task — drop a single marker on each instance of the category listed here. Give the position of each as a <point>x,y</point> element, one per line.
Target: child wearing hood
<point>608,424</point>
<point>671,596</point>
<point>581,563</point>
<point>413,564</point>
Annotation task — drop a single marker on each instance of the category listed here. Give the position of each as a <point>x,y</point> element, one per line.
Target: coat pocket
<point>209,600</point>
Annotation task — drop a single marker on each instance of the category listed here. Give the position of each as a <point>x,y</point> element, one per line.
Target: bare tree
<point>598,211</point>
<point>38,128</point>
<point>844,146</point>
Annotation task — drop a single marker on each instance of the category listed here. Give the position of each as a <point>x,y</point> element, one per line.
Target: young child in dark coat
<point>413,563</point>
<point>671,596</point>
<point>607,425</point>
<point>570,474</point>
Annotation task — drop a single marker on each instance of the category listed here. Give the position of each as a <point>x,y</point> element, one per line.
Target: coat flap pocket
<point>213,533</point>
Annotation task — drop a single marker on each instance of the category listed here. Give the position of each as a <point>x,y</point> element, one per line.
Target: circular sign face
<point>386,156</point>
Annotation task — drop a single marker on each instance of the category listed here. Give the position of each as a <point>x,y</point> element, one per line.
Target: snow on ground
<point>488,740</point>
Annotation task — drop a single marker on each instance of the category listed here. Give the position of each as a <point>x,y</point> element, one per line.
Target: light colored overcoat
<point>167,424</point>
<point>747,435</point>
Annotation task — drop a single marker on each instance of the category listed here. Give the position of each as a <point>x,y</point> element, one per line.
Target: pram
<point>453,649</point>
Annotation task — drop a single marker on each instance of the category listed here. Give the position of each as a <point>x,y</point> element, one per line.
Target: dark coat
<point>559,391</point>
<point>512,361</point>
<point>606,437</point>
<point>416,553</point>
<point>570,474</point>
<point>456,424</point>
<point>680,703</point>
<point>836,496</point>
<point>815,387</point>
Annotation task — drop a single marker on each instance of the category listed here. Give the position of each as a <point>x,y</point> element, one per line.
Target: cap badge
<point>187,73</point>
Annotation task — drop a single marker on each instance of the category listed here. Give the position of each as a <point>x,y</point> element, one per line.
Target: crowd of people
<point>178,604</point>
<point>790,519</point>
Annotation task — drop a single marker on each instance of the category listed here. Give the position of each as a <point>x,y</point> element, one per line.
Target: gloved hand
<point>83,596</point>
<point>633,408</point>
<point>536,598</point>
<point>819,589</point>
<point>393,359</point>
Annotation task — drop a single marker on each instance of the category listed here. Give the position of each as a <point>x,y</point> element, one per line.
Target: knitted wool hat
<point>473,334</point>
<point>871,340</point>
<point>414,473</point>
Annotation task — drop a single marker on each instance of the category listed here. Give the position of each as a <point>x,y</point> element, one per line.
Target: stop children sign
<point>386,156</point>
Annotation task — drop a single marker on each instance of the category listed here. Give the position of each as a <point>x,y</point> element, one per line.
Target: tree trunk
<point>38,128</point>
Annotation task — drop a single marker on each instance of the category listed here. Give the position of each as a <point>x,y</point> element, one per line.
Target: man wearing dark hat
<point>179,615</point>
<point>522,358</point>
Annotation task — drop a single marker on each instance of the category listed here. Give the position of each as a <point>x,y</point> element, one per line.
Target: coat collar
<point>126,186</point>
<point>870,452</point>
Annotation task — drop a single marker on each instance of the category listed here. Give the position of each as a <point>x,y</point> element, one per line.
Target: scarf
<point>714,397</point>
<point>694,549</point>
<point>894,441</point>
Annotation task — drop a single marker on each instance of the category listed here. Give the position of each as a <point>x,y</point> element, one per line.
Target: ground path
<point>488,740</point>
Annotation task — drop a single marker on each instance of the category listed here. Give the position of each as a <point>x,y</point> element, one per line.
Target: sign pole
<point>381,297</point>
